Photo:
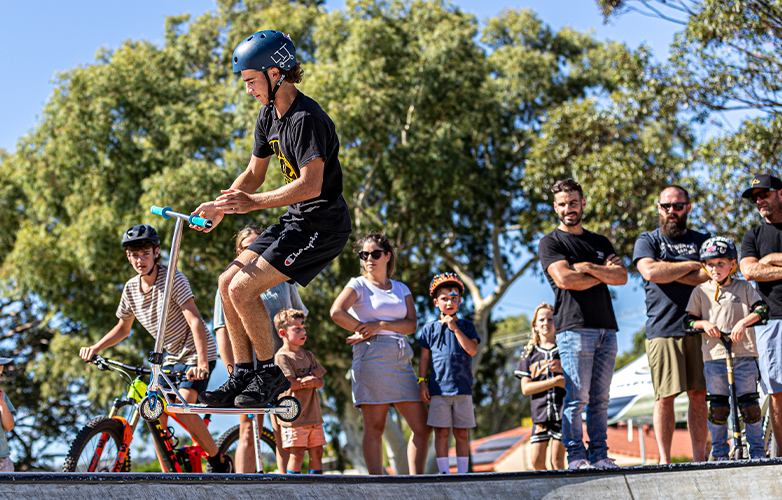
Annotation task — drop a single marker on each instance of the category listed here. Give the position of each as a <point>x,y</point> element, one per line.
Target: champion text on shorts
<point>292,257</point>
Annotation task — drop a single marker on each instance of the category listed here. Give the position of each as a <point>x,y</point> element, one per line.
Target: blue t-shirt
<point>451,366</point>
<point>5,450</point>
<point>666,303</point>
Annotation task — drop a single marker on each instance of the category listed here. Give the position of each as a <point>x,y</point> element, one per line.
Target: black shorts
<point>298,251</point>
<point>198,385</point>
<point>541,433</point>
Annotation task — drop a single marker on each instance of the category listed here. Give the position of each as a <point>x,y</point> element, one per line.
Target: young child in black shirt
<point>540,371</point>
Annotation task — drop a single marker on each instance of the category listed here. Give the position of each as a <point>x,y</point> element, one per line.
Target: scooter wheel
<point>151,407</point>
<point>292,406</point>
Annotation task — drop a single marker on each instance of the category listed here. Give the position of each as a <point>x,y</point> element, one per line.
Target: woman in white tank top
<point>381,313</point>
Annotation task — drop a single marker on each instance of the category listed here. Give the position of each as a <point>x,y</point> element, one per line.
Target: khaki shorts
<point>447,411</point>
<point>676,364</point>
<point>308,436</point>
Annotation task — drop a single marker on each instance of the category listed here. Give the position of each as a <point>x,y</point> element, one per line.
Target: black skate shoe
<point>222,463</point>
<point>264,388</point>
<point>223,396</point>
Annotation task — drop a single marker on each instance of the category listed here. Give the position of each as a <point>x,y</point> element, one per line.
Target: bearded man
<point>667,259</point>
<point>579,265</point>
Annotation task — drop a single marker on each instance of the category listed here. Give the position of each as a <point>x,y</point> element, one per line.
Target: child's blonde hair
<point>284,318</point>
<point>534,338</point>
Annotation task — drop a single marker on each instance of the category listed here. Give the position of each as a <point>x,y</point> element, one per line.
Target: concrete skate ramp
<point>755,480</point>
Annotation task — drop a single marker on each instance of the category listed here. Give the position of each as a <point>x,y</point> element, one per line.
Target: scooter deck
<point>269,410</point>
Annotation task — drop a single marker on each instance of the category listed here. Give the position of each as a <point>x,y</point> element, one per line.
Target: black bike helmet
<point>264,50</point>
<point>716,247</point>
<point>140,235</point>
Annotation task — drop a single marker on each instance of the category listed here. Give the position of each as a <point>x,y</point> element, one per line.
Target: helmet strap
<point>273,92</point>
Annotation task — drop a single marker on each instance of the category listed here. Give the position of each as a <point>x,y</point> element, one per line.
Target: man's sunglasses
<point>676,206</point>
<point>759,195</point>
<point>374,253</point>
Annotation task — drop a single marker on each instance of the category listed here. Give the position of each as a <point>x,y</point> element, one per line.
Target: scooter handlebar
<point>161,211</point>
<point>200,221</point>
<point>193,220</point>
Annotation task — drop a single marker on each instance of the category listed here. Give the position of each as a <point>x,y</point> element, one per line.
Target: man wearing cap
<point>761,261</point>
<point>667,259</point>
<point>313,231</point>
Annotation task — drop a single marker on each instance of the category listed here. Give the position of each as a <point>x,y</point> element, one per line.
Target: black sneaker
<point>223,396</point>
<point>264,388</point>
<point>221,464</point>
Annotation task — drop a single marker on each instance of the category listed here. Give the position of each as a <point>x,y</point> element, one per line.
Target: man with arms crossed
<point>761,261</point>
<point>580,265</point>
<point>309,236</point>
<point>667,259</point>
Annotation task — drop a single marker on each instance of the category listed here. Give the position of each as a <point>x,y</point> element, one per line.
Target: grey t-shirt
<point>277,298</point>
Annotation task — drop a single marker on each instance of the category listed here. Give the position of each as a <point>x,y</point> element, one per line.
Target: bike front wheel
<point>99,432</point>
<point>226,444</point>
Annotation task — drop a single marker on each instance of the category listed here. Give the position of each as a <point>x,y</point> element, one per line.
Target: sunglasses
<point>374,253</point>
<point>676,206</point>
<point>760,195</point>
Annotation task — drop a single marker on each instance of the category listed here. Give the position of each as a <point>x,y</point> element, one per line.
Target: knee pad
<point>749,406</point>
<point>719,408</point>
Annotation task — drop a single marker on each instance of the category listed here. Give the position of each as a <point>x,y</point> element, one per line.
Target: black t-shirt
<point>666,303</point>
<point>303,134</point>
<point>759,242</point>
<point>543,364</point>
<point>590,308</point>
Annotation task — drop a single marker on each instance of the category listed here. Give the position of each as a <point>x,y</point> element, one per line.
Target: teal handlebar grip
<point>160,211</point>
<point>198,221</point>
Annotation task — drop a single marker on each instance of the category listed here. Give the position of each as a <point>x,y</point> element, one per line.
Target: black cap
<point>762,181</point>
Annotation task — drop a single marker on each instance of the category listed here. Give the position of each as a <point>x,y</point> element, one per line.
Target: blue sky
<point>39,38</point>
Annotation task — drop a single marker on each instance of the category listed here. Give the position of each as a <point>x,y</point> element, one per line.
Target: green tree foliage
<point>638,349</point>
<point>447,147</point>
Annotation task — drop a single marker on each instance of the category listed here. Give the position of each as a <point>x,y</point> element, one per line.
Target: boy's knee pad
<point>749,406</point>
<point>719,408</point>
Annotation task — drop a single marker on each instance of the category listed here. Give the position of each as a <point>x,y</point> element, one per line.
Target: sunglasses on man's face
<point>374,253</point>
<point>759,195</point>
<point>676,206</point>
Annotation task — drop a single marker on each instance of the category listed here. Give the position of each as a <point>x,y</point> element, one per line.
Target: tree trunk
<point>396,446</point>
<point>353,437</point>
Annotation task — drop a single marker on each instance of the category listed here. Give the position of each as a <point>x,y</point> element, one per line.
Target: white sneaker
<point>606,463</point>
<point>580,464</point>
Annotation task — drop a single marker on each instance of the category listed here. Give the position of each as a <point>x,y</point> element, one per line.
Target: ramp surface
<point>752,479</point>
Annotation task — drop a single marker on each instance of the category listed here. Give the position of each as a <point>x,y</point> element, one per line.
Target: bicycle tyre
<point>83,447</point>
<point>227,442</point>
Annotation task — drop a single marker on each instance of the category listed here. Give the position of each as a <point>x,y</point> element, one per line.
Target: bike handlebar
<point>105,364</point>
<point>194,220</point>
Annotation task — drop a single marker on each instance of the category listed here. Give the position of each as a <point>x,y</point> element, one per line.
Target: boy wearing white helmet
<point>311,234</point>
<point>725,304</point>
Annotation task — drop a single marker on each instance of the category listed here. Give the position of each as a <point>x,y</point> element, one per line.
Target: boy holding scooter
<point>725,304</point>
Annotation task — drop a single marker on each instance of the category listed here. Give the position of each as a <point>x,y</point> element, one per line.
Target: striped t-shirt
<point>146,308</point>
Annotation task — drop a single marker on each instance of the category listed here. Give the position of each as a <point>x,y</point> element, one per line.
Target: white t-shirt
<point>376,304</point>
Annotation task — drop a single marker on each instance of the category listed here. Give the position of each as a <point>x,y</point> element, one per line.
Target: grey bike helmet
<point>264,50</point>
<point>139,235</point>
<point>716,247</point>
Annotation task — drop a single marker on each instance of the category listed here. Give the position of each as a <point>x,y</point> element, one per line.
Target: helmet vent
<point>251,37</point>
<point>236,59</point>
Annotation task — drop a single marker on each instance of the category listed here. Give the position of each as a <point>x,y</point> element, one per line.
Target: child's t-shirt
<point>5,450</point>
<point>297,365</point>
<point>147,308</point>
<point>451,366</point>
<point>732,305</point>
<point>543,364</point>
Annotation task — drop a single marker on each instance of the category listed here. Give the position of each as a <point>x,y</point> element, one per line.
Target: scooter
<point>160,397</point>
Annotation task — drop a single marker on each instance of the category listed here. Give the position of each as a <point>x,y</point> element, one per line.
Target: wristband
<point>422,379</point>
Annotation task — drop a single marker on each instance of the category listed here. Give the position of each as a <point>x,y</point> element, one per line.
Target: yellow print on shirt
<point>286,167</point>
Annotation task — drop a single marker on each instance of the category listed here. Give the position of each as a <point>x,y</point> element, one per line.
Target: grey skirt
<point>382,371</point>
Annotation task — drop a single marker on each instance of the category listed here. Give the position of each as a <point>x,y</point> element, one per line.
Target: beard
<point>673,229</point>
<point>574,222</point>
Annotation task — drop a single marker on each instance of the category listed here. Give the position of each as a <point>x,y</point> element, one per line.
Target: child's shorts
<point>6,465</point>
<point>308,436</point>
<point>199,385</point>
<point>451,411</point>
<point>541,433</point>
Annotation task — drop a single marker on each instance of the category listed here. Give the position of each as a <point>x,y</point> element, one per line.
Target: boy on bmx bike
<point>188,344</point>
